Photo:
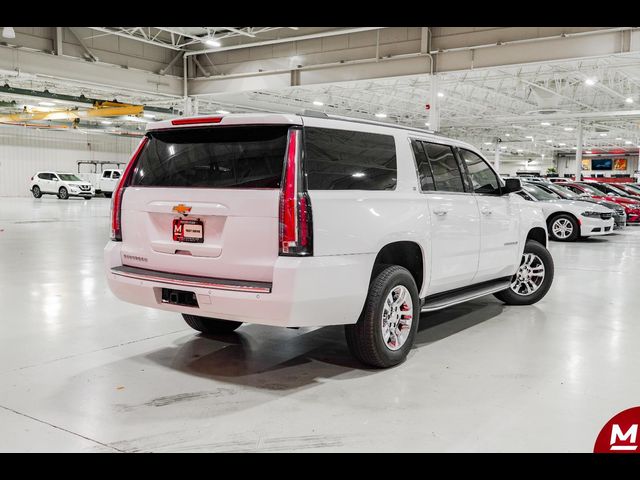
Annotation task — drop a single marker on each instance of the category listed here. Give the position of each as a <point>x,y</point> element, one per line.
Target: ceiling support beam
<point>171,63</point>
<point>88,52</point>
<point>200,67</point>
<point>131,37</point>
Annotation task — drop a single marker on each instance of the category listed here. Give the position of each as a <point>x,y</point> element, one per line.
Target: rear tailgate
<point>223,183</point>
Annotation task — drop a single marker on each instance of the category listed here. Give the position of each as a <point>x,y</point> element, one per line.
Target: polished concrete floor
<point>82,371</point>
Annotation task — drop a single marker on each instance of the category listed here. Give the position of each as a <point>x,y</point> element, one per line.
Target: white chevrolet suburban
<point>310,220</point>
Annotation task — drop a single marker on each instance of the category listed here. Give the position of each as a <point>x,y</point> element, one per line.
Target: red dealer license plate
<point>191,231</point>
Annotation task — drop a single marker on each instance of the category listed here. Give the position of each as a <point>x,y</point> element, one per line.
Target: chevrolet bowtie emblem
<point>183,209</point>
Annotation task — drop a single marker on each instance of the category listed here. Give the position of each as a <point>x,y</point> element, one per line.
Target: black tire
<point>563,217</point>
<point>107,194</point>
<point>37,193</point>
<point>63,194</point>
<point>87,198</point>
<point>365,338</point>
<point>210,325</point>
<point>510,297</point>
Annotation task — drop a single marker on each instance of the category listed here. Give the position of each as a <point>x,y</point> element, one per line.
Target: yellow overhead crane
<point>99,109</point>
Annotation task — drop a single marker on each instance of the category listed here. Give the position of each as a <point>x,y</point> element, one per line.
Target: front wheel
<point>387,326</point>
<point>210,325</point>
<point>564,228</point>
<point>36,191</point>
<point>533,278</point>
<point>63,194</point>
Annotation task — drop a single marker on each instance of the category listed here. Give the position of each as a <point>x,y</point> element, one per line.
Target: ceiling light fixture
<point>440,94</point>
<point>106,122</point>
<point>318,103</point>
<point>519,150</point>
<point>503,147</point>
<point>590,81</point>
<point>568,129</point>
<point>618,138</point>
<point>507,134</point>
<point>529,137</point>
<point>148,115</point>
<point>427,124</point>
<point>381,115</point>
<point>603,134</point>
<point>545,124</point>
<point>588,151</point>
<point>212,42</point>
<point>628,100</point>
<point>8,32</point>
<point>223,112</point>
<point>562,144</point>
<point>488,143</point>
<point>628,142</point>
<point>47,104</point>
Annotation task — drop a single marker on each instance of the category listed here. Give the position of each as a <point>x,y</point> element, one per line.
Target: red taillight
<point>296,230</point>
<point>196,120</point>
<point>116,200</point>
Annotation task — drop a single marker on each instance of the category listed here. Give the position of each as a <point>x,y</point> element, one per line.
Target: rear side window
<point>223,157</point>
<point>115,175</point>
<point>424,169</point>
<point>106,174</point>
<point>44,176</point>
<point>346,160</point>
<point>446,171</point>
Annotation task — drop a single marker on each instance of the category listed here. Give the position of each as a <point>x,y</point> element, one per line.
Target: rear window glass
<point>347,160</point>
<point>223,157</point>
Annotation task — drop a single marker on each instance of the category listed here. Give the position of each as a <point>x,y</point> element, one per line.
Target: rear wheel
<point>210,325</point>
<point>564,228</point>
<point>36,191</point>
<point>63,194</point>
<point>533,278</point>
<point>386,329</point>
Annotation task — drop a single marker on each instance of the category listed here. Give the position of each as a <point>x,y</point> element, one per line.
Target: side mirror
<point>511,185</point>
<point>55,179</point>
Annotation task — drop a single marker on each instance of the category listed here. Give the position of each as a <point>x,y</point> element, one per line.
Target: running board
<point>454,297</point>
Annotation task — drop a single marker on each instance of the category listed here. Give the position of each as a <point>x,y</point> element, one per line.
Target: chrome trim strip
<point>192,281</point>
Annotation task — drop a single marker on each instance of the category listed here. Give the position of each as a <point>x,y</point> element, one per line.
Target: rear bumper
<point>305,292</point>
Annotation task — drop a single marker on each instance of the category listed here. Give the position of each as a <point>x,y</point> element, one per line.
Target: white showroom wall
<point>24,151</point>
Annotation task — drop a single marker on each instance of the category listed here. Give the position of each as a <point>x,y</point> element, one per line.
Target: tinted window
<point>44,176</point>
<point>115,175</point>
<point>346,160</point>
<point>484,180</point>
<point>106,174</point>
<point>424,169</point>
<point>446,171</point>
<point>226,157</point>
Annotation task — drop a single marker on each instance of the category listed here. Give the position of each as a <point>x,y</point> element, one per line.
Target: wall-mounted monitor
<point>601,164</point>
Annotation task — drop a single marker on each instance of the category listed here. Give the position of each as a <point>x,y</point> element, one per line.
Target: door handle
<point>440,213</point>
<point>486,212</point>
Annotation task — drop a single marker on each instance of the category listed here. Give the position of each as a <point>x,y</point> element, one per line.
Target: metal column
<point>434,112</point>
<point>578,166</point>
<point>496,160</point>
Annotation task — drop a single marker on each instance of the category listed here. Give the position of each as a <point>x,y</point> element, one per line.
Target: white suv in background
<point>299,221</point>
<point>64,185</point>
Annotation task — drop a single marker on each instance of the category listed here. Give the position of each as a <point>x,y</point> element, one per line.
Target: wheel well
<point>538,234</point>
<point>405,254</point>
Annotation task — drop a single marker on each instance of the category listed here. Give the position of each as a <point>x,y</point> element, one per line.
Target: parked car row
<point>583,209</point>
<point>65,185</point>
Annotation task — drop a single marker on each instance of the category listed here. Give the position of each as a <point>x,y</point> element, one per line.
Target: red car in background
<point>629,189</point>
<point>631,207</point>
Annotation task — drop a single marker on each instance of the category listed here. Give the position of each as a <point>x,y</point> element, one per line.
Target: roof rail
<point>315,113</point>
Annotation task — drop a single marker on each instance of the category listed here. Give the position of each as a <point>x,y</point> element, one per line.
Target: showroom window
<point>422,166</point>
<point>484,179</point>
<point>347,160</point>
<point>231,157</point>
<point>446,171</point>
